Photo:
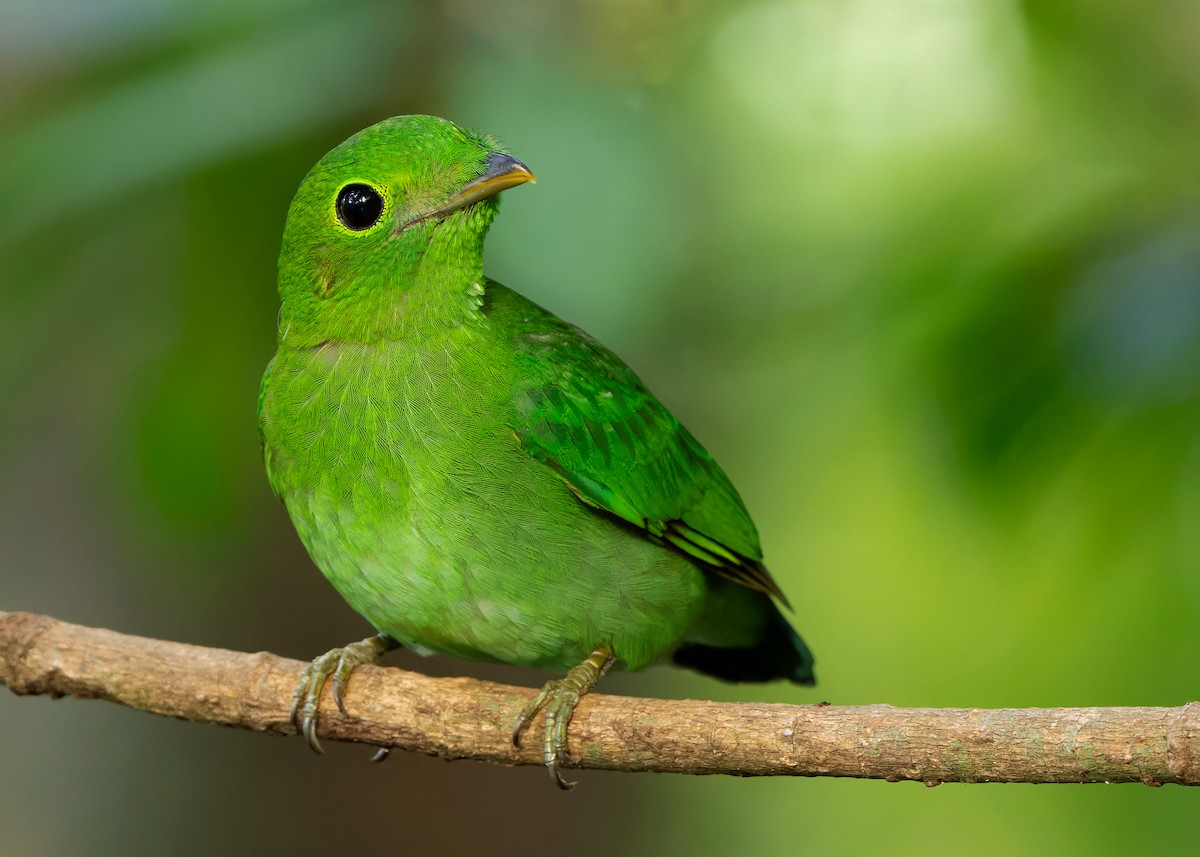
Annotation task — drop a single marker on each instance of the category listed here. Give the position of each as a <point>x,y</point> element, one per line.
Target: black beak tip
<point>502,164</point>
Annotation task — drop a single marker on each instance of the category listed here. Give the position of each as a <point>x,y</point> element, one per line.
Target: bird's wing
<point>584,414</point>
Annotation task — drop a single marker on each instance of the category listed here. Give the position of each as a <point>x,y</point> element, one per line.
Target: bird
<point>475,476</point>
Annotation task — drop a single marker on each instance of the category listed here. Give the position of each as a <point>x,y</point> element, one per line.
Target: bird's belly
<point>508,573</point>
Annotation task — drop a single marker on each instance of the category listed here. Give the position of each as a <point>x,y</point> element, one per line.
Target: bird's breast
<point>380,419</point>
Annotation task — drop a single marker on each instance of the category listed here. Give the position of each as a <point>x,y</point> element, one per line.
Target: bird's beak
<point>502,172</point>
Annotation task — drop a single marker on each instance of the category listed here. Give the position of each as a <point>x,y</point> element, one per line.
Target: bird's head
<point>404,202</point>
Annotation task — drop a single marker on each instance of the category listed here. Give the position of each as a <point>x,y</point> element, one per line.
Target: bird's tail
<point>779,653</point>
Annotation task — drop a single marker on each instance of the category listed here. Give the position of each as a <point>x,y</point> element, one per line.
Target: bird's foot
<point>558,698</point>
<point>338,664</point>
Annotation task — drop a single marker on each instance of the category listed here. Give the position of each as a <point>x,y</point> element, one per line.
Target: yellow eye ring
<point>359,206</point>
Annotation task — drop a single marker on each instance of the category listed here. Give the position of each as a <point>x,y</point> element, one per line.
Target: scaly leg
<point>559,697</point>
<point>338,663</point>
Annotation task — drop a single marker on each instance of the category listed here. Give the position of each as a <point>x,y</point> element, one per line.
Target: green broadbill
<point>476,476</point>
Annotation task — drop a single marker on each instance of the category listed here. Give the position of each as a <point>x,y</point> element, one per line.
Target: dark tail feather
<point>780,653</point>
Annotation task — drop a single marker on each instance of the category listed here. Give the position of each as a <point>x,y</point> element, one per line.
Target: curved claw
<point>559,697</point>
<point>307,695</point>
<point>310,734</point>
<point>338,664</point>
<point>527,714</point>
<point>381,753</point>
<point>341,677</point>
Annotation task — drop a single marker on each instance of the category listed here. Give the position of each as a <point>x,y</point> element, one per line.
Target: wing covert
<point>585,415</point>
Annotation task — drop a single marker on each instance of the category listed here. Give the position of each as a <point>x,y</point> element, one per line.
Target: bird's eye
<point>359,206</point>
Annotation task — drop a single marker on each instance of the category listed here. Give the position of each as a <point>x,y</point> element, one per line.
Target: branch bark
<point>460,718</point>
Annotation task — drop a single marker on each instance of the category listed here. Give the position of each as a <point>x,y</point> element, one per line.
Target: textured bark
<point>459,718</point>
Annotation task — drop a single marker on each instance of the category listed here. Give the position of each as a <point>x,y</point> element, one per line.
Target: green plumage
<point>474,475</point>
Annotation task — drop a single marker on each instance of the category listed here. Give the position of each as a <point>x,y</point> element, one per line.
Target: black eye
<point>359,206</point>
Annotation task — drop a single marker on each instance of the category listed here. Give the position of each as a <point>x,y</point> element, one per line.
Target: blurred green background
<point>923,274</point>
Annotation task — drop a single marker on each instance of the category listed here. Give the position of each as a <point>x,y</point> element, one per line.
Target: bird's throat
<point>436,286</point>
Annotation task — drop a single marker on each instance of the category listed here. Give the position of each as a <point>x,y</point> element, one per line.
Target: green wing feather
<point>590,419</point>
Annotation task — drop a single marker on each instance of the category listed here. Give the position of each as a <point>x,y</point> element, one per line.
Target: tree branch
<point>460,718</point>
